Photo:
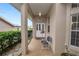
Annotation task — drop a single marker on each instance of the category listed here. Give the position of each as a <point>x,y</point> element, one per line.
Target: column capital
<point>24,10</point>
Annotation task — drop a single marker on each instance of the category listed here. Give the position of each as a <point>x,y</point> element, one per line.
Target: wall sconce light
<point>39,13</point>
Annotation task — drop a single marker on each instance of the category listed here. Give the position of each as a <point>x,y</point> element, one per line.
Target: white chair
<point>46,42</point>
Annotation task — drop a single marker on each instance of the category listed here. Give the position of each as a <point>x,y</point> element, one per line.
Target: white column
<point>24,31</point>
<point>58,28</point>
<point>33,33</point>
<point>60,17</point>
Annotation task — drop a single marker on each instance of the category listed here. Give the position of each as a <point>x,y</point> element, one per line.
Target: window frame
<point>76,6</point>
<point>74,30</point>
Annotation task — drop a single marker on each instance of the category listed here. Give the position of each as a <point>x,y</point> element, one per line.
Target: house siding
<point>5,27</point>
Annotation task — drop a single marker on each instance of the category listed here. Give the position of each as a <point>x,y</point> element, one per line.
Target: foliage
<point>29,33</point>
<point>8,39</point>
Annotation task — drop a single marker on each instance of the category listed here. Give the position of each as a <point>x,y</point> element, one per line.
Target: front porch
<point>49,15</point>
<point>35,48</point>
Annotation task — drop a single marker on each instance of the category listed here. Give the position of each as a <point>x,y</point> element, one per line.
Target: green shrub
<point>9,38</point>
<point>29,33</point>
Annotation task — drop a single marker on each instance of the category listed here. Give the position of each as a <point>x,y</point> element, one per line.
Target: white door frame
<point>40,28</point>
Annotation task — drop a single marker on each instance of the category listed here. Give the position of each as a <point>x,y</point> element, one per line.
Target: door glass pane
<point>77,39</point>
<point>77,26</point>
<point>74,18</point>
<point>78,18</point>
<point>39,26</point>
<point>77,42</point>
<point>78,5</point>
<point>43,27</point>
<point>48,28</point>
<point>73,36</point>
<point>74,25</point>
<point>77,36</point>
<point>74,5</point>
<point>72,41</point>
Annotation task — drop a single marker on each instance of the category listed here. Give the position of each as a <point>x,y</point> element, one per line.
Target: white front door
<point>40,30</point>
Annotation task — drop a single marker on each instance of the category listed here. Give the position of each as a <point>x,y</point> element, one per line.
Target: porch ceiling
<point>40,7</point>
<point>35,8</point>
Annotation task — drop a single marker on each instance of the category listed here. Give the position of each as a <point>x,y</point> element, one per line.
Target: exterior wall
<point>17,28</point>
<point>58,31</point>
<point>60,28</point>
<point>52,27</point>
<point>38,20</point>
<point>72,49</point>
<point>4,26</point>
